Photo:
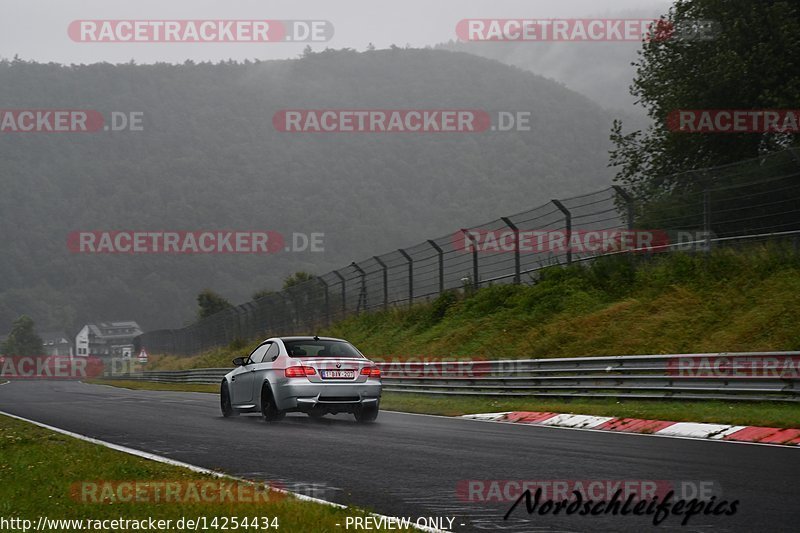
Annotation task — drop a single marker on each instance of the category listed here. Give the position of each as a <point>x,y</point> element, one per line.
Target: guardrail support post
<point>567,226</point>
<point>507,222</point>
<point>440,253</point>
<point>385,282</point>
<point>344,292</point>
<point>410,276</point>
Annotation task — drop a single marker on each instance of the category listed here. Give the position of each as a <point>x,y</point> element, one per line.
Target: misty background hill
<point>209,158</point>
<point>602,71</point>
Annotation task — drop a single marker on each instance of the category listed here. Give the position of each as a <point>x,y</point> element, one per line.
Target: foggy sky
<point>37,29</point>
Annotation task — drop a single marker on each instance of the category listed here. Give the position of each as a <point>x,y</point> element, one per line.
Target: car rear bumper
<point>328,397</point>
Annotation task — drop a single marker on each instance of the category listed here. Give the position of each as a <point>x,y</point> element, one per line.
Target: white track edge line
<point>193,468</point>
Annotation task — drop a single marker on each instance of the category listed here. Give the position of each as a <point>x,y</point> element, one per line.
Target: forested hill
<point>600,70</point>
<point>210,158</point>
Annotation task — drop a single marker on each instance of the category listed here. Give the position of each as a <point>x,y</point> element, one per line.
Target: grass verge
<point>39,469</point>
<point>728,301</point>
<point>783,415</point>
<point>151,385</point>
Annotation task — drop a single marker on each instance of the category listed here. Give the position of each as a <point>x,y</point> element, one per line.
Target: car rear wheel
<point>366,414</point>
<point>268,408</point>
<point>225,401</point>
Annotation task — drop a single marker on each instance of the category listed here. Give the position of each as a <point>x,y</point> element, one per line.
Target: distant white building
<point>57,343</point>
<point>107,339</point>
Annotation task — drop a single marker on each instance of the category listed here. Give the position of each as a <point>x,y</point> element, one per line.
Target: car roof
<point>310,338</point>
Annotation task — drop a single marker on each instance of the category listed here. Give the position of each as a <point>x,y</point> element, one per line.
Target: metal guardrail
<point>200,376</point>
<point>763,376</point>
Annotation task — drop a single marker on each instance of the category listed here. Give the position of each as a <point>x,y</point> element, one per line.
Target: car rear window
<point>321,348</point>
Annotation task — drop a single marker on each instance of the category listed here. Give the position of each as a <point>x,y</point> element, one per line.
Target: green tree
<point>210,303</point>
<point>262,293</point>
<point>297,278</point>
<point>750,59</point>
<point>23,339</point>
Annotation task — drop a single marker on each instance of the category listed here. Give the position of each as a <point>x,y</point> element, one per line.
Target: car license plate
<point>338,374</point>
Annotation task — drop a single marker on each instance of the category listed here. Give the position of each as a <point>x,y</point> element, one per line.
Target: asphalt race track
<point>410,465</point>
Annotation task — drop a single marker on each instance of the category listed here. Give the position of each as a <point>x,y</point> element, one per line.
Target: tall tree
<point>750,59</point>
<point>23,339</point>
<point>297,278</point>
<point>261,293</point>
<point>210,303</point>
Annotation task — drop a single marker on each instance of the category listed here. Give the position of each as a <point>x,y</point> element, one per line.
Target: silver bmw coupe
<point>312,375</point>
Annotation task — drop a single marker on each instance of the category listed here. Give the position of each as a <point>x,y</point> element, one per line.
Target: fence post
<point>629,206</point>
<point>237,322</point>
<point>440,253</point>
<point>707,218</point>
<point>568,226</point>
<point>475,272</point>
<point>246,321</point>
<point>287,306</point>
<point>327,302</point>
<point>410,276</point>
<point>517,274</point>
<point>344,289</point>
<point>385,282</point>
<point>362,295</point>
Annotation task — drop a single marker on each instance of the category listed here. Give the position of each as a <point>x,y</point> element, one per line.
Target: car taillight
<point>371,371</point>
<point>299,371</point>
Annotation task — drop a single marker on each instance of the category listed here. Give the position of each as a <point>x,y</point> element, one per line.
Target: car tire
<point>365,415</point>
<point>268,408</point>
<point>225,401</point>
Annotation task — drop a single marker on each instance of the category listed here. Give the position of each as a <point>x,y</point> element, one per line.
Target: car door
<point>242,382</point>
<point>264,368</point>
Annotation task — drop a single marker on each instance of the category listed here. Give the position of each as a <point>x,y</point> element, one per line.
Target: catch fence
<point>754,200</point>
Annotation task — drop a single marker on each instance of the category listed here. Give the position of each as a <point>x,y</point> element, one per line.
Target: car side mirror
<point>240,361</point>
